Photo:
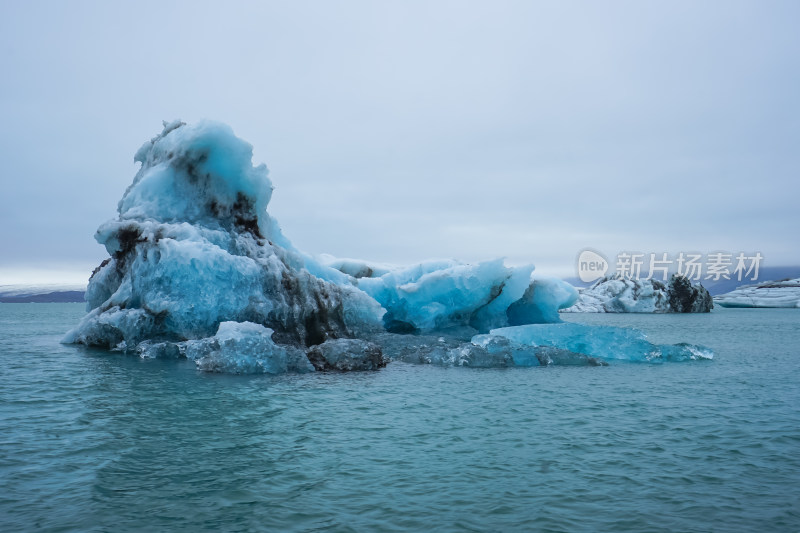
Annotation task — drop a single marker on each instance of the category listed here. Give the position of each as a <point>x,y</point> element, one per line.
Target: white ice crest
<point>591,266</point>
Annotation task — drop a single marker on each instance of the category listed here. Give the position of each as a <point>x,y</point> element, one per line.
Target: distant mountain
<point>41,293</point>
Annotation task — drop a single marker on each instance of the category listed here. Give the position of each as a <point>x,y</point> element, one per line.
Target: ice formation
<point>198,269</point>
<point>347,355</point>
<point>243,348</point>
<point>193,247</point>
<point>482,351</point>
<point>437,295</point>
<point>783,293</point>
<point>615,294</point>
<point>604,342</point>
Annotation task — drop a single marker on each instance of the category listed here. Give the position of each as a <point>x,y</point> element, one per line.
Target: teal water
<point>91,441</point>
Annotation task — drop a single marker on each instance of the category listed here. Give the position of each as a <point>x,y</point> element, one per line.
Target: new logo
<point>591,266</point>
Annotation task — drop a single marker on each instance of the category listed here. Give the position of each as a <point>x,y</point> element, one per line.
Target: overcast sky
<point>400,131</point>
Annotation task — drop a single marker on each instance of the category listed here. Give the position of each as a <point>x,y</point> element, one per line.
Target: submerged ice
<point>197,268</point>
<point>604,342</point>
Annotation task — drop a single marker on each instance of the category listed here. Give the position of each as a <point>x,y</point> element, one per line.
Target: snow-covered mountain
<point>42,293</point>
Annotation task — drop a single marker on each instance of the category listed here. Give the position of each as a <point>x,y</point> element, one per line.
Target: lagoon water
<point>92,441</point>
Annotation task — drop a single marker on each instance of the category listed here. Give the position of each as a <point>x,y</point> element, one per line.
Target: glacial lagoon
<point>101,441</point>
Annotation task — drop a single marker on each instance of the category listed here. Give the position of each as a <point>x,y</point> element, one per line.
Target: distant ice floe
<point>615,294</point>
<point>198,269</point>
<point>783,293</point>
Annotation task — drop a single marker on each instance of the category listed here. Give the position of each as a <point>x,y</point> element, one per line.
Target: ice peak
<point>201,174</point>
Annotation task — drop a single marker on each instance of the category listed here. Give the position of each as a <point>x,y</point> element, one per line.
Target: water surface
<point>92,441</point>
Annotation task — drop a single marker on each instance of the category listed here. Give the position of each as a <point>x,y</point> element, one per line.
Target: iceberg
<point>244,348</point>
<point>193,247</point>
<point>782,293</point>
<point>347,355</point>
<point>603,342</point>
<point>616,294</point>
<point>197,268</point>
<point>438,295</point>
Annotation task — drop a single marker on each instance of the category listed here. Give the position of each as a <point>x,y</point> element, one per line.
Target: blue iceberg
<point>603,342</point>
<point>197,268</point>
<point>244,348</point>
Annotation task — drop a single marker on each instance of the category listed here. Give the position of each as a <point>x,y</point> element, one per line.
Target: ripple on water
<point>92,441</point>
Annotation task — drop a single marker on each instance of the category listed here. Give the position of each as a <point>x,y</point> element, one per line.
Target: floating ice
<point>615,294</point>
<point>481,351</point>
<point>437,295</point>
<point>604,342</point>
<point>347,355</point>
<point>199,269</point>
<point>244,348</point>
<point>193,247</point>
<point>783,293</point>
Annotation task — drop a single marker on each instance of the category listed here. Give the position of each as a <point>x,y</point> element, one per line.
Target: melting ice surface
<point>602,341</point>
<point>198,269</point>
